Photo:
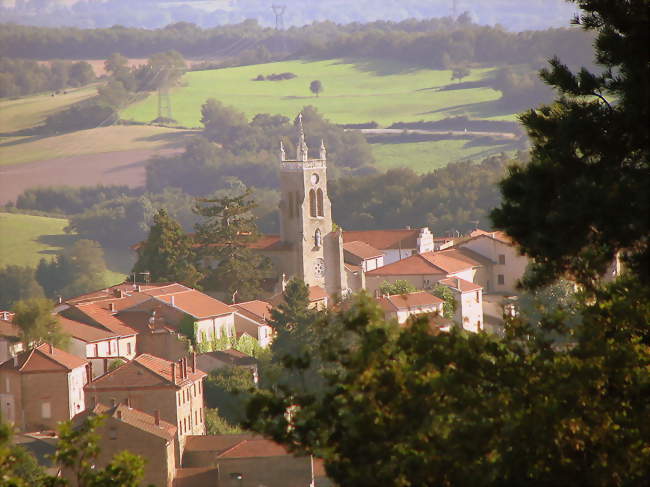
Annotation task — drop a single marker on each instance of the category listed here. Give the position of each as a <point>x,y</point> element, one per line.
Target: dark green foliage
<point>400,286</point>
<point>520,90</point>
<point>78,449</point>
<point>167,253</point>
<point>37,323</point>
<point>216,425</point>
<point>316,87</point>
<point>25,76</point>
<point>18,283</point>
<point>498,411</point>
<point>450,305</point>
<point>225,237</point>
<point>460,72</point>
<point>228,389</point>
<point>68,199</point>
<point>80,116</point>
<point>125,220</point>
<point>79,269</point>
<point>18,467</point>
<point>584,195</point>
<point>453,198</point>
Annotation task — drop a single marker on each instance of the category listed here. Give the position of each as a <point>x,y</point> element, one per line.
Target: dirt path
<point>125,167</point>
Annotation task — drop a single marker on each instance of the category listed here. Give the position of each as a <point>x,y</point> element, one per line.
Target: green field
<point>427,156</point>
<point>30,111</point>
<point>116,138</point>
<point>26,239</point>
<point>354,92</point>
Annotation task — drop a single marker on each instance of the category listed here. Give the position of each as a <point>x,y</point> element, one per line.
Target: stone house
<point>251,318</point>
<point>127,428</point>
<point>506,265</point>
<point>42,386</point>
<point>469,303</point>
<point>150,384</point>
<point>99,345</point>
<point>209,319</point>
<point>10,344</point>
<point>401,307</point>
<point>395,244</point>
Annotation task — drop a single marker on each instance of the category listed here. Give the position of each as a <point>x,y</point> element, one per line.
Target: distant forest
<point>437,43</point>
<point>514,15</point>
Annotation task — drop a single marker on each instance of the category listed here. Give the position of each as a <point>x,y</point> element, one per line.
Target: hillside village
<point>131,359</point>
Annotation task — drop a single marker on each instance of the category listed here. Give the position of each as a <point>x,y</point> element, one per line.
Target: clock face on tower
<point>314,178</point>
<point>319,267</point>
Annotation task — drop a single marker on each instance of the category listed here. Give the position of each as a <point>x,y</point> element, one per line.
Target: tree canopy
<point>38,324</point>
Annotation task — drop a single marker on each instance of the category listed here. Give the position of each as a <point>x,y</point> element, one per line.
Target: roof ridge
<point>235,446</point>
<point>154,371</point>
<point>31,352</point>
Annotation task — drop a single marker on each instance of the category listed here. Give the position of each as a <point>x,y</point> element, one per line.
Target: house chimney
<point>171,301</point>
<point>119,414</point>
<point>193,362</point>
<point>174,372</point>
<point>51,348</point>
<point>5,315</point>
<point>184,362</point>
<point>60,299</point>
<point>138,288</point>
<point>458,283</point>
<point>111,306</point>
<point>156,417</point>
<point>113,402</point>
<point>127,402</point>
<point>89,373</point>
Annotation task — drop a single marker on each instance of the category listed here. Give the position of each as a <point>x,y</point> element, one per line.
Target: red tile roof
<point>317,293</point>
<point>230,356</point>
<point>85,332</point>
<point>172,288</point>
<point>7,328</point>
<point>451,260</point>
<point>410,300</point>
<point>236,446</point>
<point>138,419</point>
<point>196,304</point>
<point>385,239</point>
<point>113,292</point>
<point>43,358</point>
<point>362,250</point>
<point>460,284</point>
<point>497,235</point>
<point>145,371</point>
<point>257,310</point>
<point>411,266</point>
<point>101,317</point>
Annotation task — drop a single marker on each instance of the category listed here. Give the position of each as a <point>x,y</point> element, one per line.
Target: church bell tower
<point>306,218</point>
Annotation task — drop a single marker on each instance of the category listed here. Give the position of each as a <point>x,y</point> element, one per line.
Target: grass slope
<point>26,239</point>
<point>424,157</point>
<point>354,92</point>
<point>17,150</point>
<point>29,111</point>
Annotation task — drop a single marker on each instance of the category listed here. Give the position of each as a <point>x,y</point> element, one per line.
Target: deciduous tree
<point>38,324</point>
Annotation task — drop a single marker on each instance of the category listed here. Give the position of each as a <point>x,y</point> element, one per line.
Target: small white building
<point>469,303</point>
<point>10,343</point>
<point>252,318</point>
<point>403,306</point>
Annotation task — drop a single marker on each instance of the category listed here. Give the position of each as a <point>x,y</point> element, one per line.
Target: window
<point>502,259</point>
<point>194,389</point>
<point>318,239</point>
<point>478,296</point>
<point>312,203</point>
<point>201,414</point>
<point>319,205</point>
<point>46,410</point>
<point>196,417</point>
<point>95,351</point>
<point>501,279</point>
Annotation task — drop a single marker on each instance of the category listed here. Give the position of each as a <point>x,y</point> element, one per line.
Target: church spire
<point>302,151</point>
<point>323,151</point>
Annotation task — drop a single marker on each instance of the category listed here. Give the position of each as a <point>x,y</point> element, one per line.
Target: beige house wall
<point>513,269</point>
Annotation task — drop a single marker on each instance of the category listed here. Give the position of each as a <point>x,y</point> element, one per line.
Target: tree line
<point>20,77</point>
<point>438,43</point>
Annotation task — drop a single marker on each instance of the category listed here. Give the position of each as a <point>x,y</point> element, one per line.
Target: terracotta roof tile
<point>145,371</point>
<point>230,357</point>
<point>138,419</point>
<point>172,288</point>
<point>317,293</point>
<point>497,235</point>
<point>44,358</point>
<point>256,310</point>
<point>385,239</point>
<point>410,300</point>
<point>460,284</point>
<point>450,261</point>
<point>113,292</point>
<point>196,304</point>
<point>85,332</point>
<point>413,265</point>
<point>236,446</point>
<point>362,250</point>
<point>7,328</point>
<point>101,317</point>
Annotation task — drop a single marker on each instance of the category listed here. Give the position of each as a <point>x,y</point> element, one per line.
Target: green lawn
<point>427,156</point>
<point>354,92</point>
<point>26,239</point>
<point>29,111</point>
